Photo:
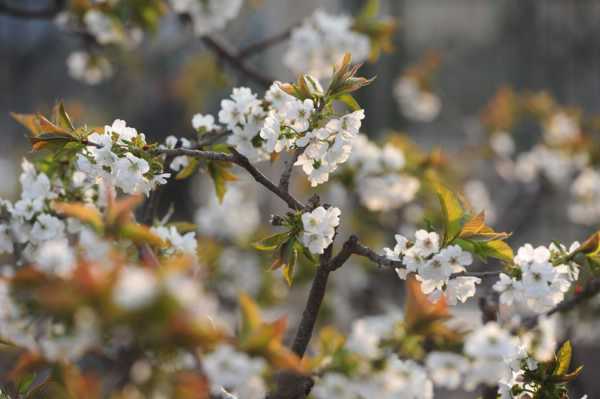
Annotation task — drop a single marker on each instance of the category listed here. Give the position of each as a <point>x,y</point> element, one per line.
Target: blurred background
<point>483,44</point>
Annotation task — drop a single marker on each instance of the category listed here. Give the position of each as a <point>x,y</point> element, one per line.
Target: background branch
<point>232,58</point>
<point>258,47</point>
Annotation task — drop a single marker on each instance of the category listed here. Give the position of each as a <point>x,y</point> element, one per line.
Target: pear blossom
<point>207,16</point>
<point>446,369</point>
<point>235,372</point>
<point>135,288</point>
<point>204,122</point>
<point>56,257</point>
<point>47,227</point>
<point>319,228</point>
<point>321,41</point>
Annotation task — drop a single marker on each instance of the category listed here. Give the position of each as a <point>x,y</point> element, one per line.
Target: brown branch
<point>313,304</point>
<point>40,13</point>
<point>284,180</point>
<point>258,47</point>
<point>240,160</point>
<point>231,57</point>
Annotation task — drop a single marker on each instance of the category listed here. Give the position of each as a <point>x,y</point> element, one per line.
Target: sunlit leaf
<point>272,242</point>
<point>140,234</point>
<point>189,169</point>
<point>82,212</point>
<point>452,211</point>
<point>250,314</point>
<point>220,176</point>
<point>563,359</point>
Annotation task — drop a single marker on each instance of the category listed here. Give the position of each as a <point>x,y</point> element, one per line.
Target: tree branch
<point>240,160</point>
<point>313,304</point>
<point>41,13</point>
<point>284,181</point>
<point>231,57</point>
<point>258,47</point>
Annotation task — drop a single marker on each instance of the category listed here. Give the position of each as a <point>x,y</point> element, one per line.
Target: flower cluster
<point>399,377</point>
<point>380,179</point>
<point>321,41</point>
<point>540,278</point>
<point>207,16</point>
<point>319,228</point>
<point>235,373</point>
<point>29,222</point>
<point>283,122</point>
<point>434,267</point>
<point>108,160</point>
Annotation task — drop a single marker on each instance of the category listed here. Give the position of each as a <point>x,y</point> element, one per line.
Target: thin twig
<point>41,13</point>
<point>229,55</point>
<point>240,160</point>
<point>259,47</point>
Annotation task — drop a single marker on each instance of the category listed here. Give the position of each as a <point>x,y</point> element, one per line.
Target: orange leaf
<point>419,309</point>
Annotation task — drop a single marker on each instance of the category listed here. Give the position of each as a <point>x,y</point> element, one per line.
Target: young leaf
<point>62,117</point>
<point>349,101</point>
<point>452,211</point>
<point>563,358</point>
<point>272,242</point>
<point>189,169</point>
<point>80,211</point>
<point>250,314</point>
<point>220,175</point>
<point>140,234</point>
<point>289,257</point>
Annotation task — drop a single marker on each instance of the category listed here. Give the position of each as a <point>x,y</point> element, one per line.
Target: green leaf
<point>63,118</point>
<point>250,315</point>
<point>289,257</point>
<point>189,170</point>
<point>220,175</point>
<point>25,383</point>
<point>452,211</point>
<point>272,242</point>
<point>563,357</point>
<point>349,101</point>
<point>569,376</point>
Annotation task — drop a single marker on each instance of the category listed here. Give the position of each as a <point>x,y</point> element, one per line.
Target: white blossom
<point>446,369</point>
<point>209,15</point>
<point>319,228</point>
<point>56,257</point>
<point>235,372</point>
<point>135,288</point>
<point>321,41</point>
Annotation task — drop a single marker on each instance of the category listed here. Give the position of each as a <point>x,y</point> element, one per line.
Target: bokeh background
<point>528,44</point>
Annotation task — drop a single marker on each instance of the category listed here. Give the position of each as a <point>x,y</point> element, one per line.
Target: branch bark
<point>240,160</point>
<point>313,304</point>
<point>233,59</point>
<point>258,47</point>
